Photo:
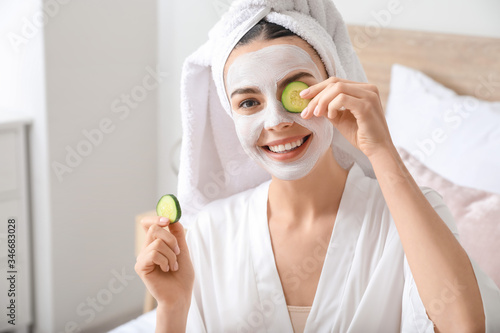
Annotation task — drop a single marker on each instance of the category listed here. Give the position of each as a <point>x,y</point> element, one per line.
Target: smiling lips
<point>284,148</point>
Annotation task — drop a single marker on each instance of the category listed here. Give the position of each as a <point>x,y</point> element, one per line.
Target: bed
<point>464,70</point>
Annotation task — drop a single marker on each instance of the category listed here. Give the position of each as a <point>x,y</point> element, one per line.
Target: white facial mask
<point>263,69</point>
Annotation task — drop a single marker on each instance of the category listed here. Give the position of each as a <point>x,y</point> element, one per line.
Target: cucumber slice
<point>168,206</point>
<point>291,99</point>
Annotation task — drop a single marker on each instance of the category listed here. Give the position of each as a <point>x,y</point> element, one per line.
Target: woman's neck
<point>301,202</point>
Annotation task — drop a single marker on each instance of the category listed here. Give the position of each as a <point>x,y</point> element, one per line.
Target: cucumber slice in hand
<point>291,99</point>
<point>169,207</point>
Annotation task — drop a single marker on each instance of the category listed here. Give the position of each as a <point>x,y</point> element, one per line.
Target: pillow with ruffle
<point>476,213</point>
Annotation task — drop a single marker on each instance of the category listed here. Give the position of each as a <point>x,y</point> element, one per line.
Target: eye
<point>248,103</point>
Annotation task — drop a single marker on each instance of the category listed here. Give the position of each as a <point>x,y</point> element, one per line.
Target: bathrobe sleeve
<point>195,323</point>
<point>414,316</point>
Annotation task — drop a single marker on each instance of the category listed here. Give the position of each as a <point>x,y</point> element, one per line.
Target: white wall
<point>478,17</point>
<point>22,85</point>
<point>69,74</point>
<point>98,52</point>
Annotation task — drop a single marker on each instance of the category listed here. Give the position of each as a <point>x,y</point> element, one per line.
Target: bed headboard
<point>469,65</point>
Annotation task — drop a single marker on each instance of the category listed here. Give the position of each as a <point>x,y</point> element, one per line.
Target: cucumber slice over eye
<point>291,99</point>
<point>169,207</point>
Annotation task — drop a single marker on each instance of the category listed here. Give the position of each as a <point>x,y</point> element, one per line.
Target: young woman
<point>319,247</point>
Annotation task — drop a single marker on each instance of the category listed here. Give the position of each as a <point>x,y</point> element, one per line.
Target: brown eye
<point>248,103</point>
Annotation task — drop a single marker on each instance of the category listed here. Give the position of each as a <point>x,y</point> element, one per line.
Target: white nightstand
<point>14,207</point>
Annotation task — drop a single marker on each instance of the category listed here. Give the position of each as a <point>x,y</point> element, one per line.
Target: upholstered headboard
<point>469,65</point>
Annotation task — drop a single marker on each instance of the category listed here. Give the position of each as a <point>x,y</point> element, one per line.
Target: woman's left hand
<point>362,122</point>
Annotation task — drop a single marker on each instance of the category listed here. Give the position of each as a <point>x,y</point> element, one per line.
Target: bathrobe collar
<point>336,267</point>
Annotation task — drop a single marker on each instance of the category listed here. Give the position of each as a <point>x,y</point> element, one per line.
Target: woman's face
<point>255,75</point>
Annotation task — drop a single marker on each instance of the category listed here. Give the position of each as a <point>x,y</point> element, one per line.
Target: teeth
<point>286,147</point>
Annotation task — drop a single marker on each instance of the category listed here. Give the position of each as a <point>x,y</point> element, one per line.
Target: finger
<point>177,230</point>
<point>322,98</point>
<point>167,252</point>
<point>157,232</point>
<point>311,108</point>
<point>317,88</point>
<point>148,221</point>
<point>158,253</point>
<point>148,262</point>
<point>318,106</point>
<point>334,108</point>
<point>162,248</point>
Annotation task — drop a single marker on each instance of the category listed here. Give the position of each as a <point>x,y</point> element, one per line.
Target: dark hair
<point>265,31</point>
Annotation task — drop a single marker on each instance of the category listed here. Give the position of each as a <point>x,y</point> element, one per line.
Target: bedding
<point>143,324</point>
<point>476,213</point>
<point>453,135</point>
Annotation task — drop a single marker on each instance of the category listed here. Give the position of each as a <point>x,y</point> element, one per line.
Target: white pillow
<point>456,136</point>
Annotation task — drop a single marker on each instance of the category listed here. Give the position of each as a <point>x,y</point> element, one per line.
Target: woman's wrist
<point>171,318</point>
<point>383,153</point>
<point>389,168</point>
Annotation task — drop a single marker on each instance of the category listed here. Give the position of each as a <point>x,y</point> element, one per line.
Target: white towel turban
<point>213,164</point>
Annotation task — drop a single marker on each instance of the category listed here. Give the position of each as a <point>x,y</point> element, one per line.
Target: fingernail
<point>303,113</point>
<point>316,110</point>
<point>304,92</point>
<point>163,220</point>
<point>176,266</point>
<point>177,250</point>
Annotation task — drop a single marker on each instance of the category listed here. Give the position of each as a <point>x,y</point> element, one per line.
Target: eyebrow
<point>294,77</point>
<point>245,91</point>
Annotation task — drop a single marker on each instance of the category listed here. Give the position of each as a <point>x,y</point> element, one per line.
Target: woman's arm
<point>171,319</point>
<point>440,266</point>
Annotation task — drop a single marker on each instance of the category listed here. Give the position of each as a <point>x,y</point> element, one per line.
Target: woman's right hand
<point>167,272</point>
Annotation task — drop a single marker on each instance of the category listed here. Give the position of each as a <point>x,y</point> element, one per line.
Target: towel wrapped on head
<point>213,164</point>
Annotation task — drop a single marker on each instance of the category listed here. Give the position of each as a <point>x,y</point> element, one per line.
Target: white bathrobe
<point>365,285</point>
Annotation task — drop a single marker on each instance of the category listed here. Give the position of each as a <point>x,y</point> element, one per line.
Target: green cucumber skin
<point>285,96</point>
<point>177,207</point>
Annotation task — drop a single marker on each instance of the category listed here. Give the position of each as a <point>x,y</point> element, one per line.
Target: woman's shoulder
<point>362,187</point>
<point>373,192</point>
<point>371,187</point>
<point>232,204</point>
<point>227,215</point>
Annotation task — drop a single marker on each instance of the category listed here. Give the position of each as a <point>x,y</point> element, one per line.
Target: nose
<point>277,117</point>
<point>279,126</point>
